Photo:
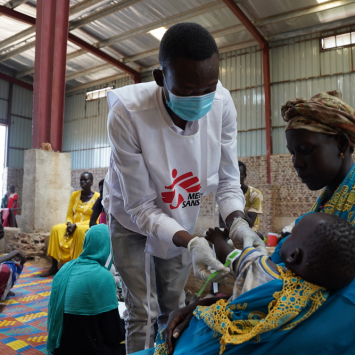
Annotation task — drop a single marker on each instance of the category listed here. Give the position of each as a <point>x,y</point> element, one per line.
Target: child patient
<point>321,250</point>
<point>11,266</point>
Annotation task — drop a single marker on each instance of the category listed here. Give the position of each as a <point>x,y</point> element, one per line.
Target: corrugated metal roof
<point>146,12</point>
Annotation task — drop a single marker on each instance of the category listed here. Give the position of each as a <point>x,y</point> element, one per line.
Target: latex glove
<point>202,258</point>
<point>240,232</point>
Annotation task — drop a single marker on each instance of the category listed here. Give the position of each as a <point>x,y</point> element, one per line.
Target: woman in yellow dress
<point>67,239</point>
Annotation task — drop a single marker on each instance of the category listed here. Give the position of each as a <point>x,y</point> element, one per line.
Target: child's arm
<point>11,255</point>
<point>94,216</point>
<point>218,239</point>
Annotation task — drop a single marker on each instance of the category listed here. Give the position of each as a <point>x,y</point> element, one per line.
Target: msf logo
<point>185,190</point>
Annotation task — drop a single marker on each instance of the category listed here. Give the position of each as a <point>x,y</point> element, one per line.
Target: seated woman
<point>9,207</point>
<point>11,266</point>
<point>83,317</point>
<point>67,239</point>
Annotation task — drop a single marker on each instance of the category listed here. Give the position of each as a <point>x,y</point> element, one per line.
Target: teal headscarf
<point>83,286</point>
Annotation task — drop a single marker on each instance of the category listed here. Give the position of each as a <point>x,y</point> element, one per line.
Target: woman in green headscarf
<point>83,316</point>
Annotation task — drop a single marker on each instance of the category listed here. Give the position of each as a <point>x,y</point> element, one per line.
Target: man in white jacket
<point>173,140</point>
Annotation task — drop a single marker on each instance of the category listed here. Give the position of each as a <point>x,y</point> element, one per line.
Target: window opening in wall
<point>2,155</point>
<point>97,94</point>
<point>339,40</point>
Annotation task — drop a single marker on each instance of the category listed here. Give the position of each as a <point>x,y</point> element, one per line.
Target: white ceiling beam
<point>142,55</point>
<point>102,13</point>
<point>97,82</point>
<point>234,47</point>
<point>17,51</point>
<point>301,12</point>
<point>313,29</point>
<point>83,5</point>
<point>14,3</point>
<point>88,71</point>
<point>30,71</point>
<point>75,54</point>
<point>18,36</point>
<point>228,31</point>
<point>201,10</point>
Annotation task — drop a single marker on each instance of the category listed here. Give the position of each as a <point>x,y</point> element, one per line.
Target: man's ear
<point>343,142</point>
<point>158,77</point>
<point>295,257</point>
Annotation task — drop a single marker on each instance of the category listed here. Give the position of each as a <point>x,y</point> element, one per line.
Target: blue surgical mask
<point>190,108</point>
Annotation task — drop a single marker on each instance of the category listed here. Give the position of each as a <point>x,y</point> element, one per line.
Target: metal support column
<point>49,78</point>
<point>267,95</point>
<point>59,73</point>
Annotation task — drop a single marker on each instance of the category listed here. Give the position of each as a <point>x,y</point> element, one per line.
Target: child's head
<point>321,250</point>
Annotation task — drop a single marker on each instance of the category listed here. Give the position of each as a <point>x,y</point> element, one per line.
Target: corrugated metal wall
<point>241,73</point>
<point>20,133</point>
<point>4,101</point>
<point>300,69</point>
<point>85,132</point>
<point>21,125</point>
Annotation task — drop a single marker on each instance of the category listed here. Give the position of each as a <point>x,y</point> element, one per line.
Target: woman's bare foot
<point>49,272</point>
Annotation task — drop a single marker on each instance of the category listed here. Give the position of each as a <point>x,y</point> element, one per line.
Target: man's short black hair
<point>332,256</point>
<point>186,40</point>
<point>91,177</point>
<point>240,163</point>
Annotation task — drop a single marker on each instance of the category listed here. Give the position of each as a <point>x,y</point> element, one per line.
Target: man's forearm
<point>229,219</point>
<point>182,238</point>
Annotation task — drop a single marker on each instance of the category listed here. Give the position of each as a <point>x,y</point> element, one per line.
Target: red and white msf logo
<point>185,190</point>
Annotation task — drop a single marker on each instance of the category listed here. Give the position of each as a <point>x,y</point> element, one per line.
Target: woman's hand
<point>179,320</point>
<point>177,323</point>
<point>70,228</point>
